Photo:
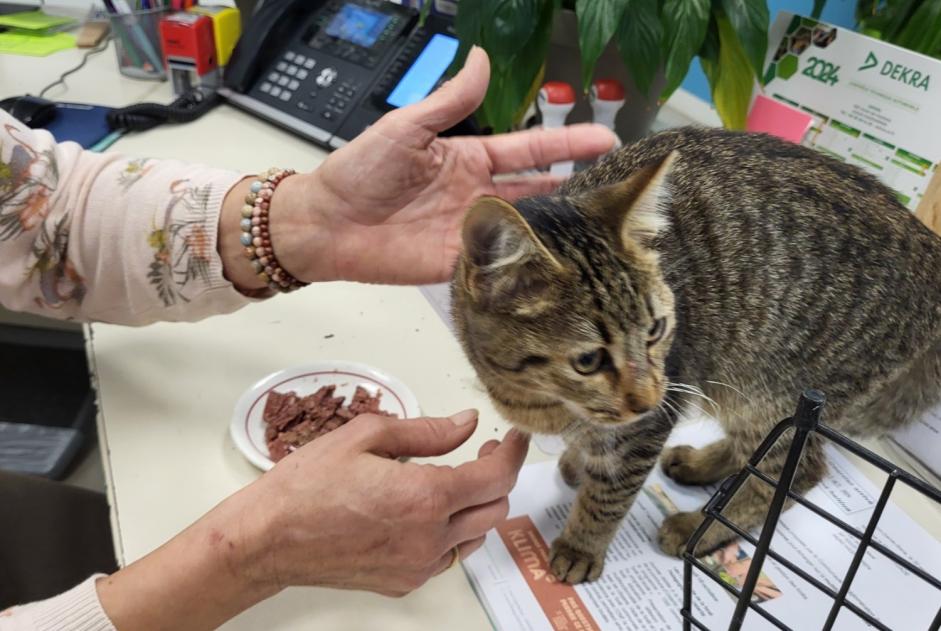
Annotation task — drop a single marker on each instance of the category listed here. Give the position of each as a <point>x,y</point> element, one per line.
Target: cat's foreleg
<point>704,465</point>
<point>614,470</point>
<point>572,465</point>
<point>749,506</point>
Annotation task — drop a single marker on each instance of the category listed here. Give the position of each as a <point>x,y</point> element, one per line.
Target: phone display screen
<point>358,25</point>
<point>422,76</point>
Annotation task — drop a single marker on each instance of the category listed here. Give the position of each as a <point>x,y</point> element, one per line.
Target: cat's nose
<point>637,405</point>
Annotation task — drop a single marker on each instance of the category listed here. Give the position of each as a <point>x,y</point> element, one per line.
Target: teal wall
<point>836,12</point>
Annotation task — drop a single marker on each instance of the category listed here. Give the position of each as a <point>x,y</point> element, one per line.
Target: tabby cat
<point>696,268</point>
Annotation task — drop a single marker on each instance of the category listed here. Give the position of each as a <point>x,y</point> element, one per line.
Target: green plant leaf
<point>597,21</point>
<point>894,15</point>
<point>749,19</point>
<point>423,13</point>
<point>467,28</point>
<point>508,24</point>
<point>731,78</point>
<point>818,9</point>
<point>638,38</point>
<point>512,77</point>
<point>710,44</point>
<point>684,25</point>
<point>923,32</point>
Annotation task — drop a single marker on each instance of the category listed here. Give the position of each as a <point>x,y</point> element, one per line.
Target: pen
<point>137,33</point>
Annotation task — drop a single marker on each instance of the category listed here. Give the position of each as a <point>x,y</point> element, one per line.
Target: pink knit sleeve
<point>89,236</point>
<point>75,610</point>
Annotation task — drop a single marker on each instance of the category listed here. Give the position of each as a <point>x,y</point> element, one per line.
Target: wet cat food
<point>292,421</point>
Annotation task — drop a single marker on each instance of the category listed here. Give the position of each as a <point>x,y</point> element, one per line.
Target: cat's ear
<point>507,268</point>
<point>637,208</point>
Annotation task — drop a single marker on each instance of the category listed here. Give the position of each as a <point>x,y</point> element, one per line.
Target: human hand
<point>388,206</point>
<point>340,512</point>
<point>343,512</point>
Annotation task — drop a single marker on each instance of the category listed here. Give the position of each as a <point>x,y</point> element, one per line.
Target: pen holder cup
<point>137,43</point>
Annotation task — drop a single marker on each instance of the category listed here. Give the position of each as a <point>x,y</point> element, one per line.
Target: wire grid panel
<point>805,422</point>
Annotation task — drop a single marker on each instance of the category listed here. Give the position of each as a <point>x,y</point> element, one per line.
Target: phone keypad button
<point>273,77</point>
<point>283,81</point>
<point>276,91</point>
<point>266,87</point>
<point>300,59</point>
<point>292,70</point>
<point>290,56</point>
<point>310,63</point>
<point>302,74</point>
<point>282,66</point>
<point>286,95</point>
<point>326,77</point>
<point>294,84</point>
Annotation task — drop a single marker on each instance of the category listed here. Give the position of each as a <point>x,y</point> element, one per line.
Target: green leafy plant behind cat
<point>650,35</point>
<point>913,24</point>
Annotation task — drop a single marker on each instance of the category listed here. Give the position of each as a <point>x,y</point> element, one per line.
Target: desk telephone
<point>327,70</point>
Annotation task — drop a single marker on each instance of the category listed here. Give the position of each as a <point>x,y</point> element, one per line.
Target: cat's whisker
<point>701,409</point>
<point>730,387</point>
<point>685,388</point>
<point>678,386</point>
<point>664,403</point>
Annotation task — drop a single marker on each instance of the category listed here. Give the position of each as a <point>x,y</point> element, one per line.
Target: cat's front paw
<point>572,564</point>
<point>676,530</point>
<point>678,464</point>
<point>571,471</point>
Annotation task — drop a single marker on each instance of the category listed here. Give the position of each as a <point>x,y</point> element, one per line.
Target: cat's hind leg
<point>748,508</point>
<point>712,463</point>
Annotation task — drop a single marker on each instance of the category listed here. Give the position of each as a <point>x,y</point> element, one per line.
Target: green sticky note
<point>33,21</point>
<point>33,44</point>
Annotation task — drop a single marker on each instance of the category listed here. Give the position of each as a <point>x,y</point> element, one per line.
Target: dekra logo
<point>898,72</point>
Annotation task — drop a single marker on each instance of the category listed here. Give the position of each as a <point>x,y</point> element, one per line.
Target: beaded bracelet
<point>255,234</point>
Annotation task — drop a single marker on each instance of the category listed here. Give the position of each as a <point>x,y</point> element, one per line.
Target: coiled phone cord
<point>143,116</point>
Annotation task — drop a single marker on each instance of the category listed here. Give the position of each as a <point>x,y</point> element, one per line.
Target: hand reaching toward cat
<point>342,512</point>
<point>388,206</point>
<point>358,518</point>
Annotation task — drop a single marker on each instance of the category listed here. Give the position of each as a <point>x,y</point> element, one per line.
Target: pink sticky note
<point>778,119</point>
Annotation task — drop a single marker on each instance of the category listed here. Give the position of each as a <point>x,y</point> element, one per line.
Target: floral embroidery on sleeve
<point>24,195</point>
<point>133,171</point>
<point>182,246</point>
<point>27,181</point>
<point>59,281</point>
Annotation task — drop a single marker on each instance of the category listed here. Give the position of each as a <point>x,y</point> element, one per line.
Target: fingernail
<point>465,418</point>
<point>518,434</point>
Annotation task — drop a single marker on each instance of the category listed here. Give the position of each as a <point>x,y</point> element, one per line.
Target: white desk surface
<point>167,391</point>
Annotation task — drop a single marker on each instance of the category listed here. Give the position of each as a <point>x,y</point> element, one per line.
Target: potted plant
<point>656,40</point>
<point>912,24</point>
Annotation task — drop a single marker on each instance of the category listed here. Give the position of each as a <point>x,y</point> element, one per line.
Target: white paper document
<point>921,440</point>
<point>439,296</point>
<point>641,588</point>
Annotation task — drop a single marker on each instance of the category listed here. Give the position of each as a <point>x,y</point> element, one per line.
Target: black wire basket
<point>806,421</point>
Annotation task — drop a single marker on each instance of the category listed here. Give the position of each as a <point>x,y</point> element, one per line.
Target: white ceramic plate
<point>248,428</point>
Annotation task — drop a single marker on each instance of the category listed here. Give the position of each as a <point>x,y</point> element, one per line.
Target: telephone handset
<point>327,70</point>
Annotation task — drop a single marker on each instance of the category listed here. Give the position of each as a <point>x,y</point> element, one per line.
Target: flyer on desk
<point>641,588</point>
<point>875,105</point>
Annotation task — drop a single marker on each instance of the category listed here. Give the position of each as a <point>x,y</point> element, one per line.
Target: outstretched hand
<point>387,207</point>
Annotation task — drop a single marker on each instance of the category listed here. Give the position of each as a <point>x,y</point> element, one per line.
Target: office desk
<point>167,391</point>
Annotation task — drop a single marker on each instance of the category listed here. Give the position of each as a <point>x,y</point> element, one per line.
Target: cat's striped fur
<point>696,261</point>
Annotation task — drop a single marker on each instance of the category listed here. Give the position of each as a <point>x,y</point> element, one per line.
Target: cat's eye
<point>589,363</point>
<point>655,334</point>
